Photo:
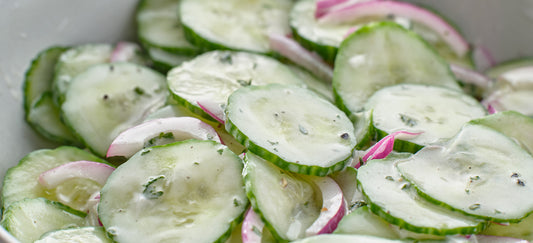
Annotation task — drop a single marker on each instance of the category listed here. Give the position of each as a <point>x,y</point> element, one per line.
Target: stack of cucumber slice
<point>265,151</point>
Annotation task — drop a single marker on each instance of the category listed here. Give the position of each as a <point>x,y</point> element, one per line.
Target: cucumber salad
<point>276,121</point>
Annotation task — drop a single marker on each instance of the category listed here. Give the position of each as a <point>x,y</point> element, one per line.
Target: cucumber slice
<point>74,61</point>
<point>521,230</point>
<point>509,65</point>
<point>234,24</point>
<point>384,54</point>
<point>480,172</point>
<point>512,124</point>
<point>78,59</point>
<point>213,76</point>
<point>44,117</point>
<point>28,219</point>
<point>39,76</point>
<point>287,202</point>
<point>106,99</point>
<point>42,114</point>
<point>436,111</point>
<point>392,198</point>
<point>82,234</point>
<point>21,182</point>
<point>348,239</point>
<point>173,193</point>
<point>362,221</point>
<point>158,26</point>
<point>291,127</point>
<point>512,91</point>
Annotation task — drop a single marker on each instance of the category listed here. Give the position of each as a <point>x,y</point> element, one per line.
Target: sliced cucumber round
<point>384,54</point>
<point>291,127</point>
<point>392,198</point>
<point>480,172</point>
<point>362,221</point>
<point>106,99</point>
<point>44,117</point>
<point>520,230</point>
<point>173,193</point>
<point>39,76</point>
<point>82,234</point>
<point>213,76</point>
<point>512,124</point>
<point>437,112</point>
<point>234,24</point>
<point>286,201</point>
<point>164,60</point>
<point>509,65</point>
<point>28,219</point>
<point>158,26</point>
<point>21,181</point>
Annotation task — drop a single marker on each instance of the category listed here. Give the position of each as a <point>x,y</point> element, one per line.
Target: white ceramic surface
<point>28,26</point>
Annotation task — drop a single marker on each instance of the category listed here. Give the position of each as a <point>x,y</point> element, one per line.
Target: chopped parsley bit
<point>220,151</point>
<point>150,190</point>
<point>302,130</point>
<point>406,186</point>
<point>467,191</point>
<point>409,121</point>
<point>236,202</point>
<point>275,149</point>
<point>256,230</point>
<point>226,58</point>
<point>520,182</point>
<point>254,66</point>
<point>474,206</point>
<point>345,136</point>
<point>145,152</point>
<point>497,211</point>
<point>272,142</point>
<point>244,82</point>
<point>474,178</point>
<point>111,68</point>
<point>515,174</point>
<point>196,163</point>
<point>389,178</point>
<point>138,90</point>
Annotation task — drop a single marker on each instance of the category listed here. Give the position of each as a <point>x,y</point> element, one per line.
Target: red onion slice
<point>96,171</point>
<point>134,139</point>
<point>292,50</point>
<point>384,146</point>
<point>333,207</point>
<point>213,109</point>
<point>483,58</point>
<point>324,6</point>
<point>383,9</point>
<point>252,227</point>
<point>471,76</point>
<point>124,51</point>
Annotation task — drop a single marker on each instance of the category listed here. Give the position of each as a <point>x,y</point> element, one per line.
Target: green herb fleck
<point>226,58</point>
<point>474,178</point>
<point>474,206</point>
<point>389,178</point>
<point>138,90</point>
<point>196,163</point>
<point>153,188</point>
<point>272,142</point>
<point>236,202</point>
<point>256,231</point>
<point>409,121</point>
<point>220,151</point>
<point>145,152</point>
<point>244,82</point>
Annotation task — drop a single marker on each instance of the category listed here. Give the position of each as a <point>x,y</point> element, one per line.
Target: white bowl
<point>29,26</point>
